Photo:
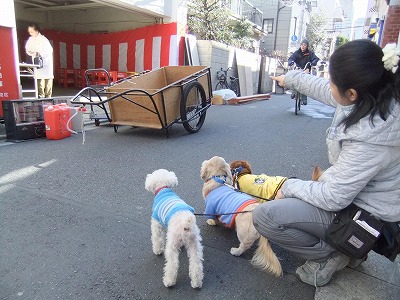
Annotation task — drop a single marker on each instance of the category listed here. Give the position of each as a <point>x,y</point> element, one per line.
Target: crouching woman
<point>364,151</point>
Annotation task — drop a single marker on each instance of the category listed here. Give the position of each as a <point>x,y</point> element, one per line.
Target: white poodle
<point>226,204</point>
<point>173,225</point>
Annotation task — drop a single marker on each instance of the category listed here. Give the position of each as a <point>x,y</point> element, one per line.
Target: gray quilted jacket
<point>365,159</point>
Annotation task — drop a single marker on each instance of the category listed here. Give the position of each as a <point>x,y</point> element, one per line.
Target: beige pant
<point>45,88</point>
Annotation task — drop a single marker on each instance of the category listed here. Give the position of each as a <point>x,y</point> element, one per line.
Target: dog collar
<point>218,179</point>
<point>159,189</point>
<point>237,170</point>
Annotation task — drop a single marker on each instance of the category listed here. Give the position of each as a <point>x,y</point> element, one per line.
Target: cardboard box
<point>217,100</point>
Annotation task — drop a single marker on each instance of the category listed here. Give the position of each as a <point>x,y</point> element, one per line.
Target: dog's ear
<point>224,168</point>
<point>148,185</point>
<point>316,174</point>
<point>246,167</point>
<point>171,180</point>
<point>204,170</point>
<point>234,164</point>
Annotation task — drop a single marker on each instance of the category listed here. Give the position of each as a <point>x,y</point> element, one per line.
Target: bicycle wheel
<point>235,86</point>
<point>221,85</point>
<point>193,103</point>
<point>297,103</point>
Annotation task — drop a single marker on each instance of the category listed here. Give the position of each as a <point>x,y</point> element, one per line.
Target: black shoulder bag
<point>38,60</point>
<point>355,232</point>
<point>389,243</point>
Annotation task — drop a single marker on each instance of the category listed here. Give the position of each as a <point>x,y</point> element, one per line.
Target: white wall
<point>7,19</point>
<point>7,13</point>
<point>217,55</point>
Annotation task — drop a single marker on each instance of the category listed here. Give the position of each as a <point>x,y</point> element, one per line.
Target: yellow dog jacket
<point>262,185</point>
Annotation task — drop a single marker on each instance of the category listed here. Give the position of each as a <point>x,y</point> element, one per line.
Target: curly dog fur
<point>181,230</point>
<point>264,256</point>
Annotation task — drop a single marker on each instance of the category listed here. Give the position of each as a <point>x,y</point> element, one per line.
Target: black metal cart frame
<point>195,95</point>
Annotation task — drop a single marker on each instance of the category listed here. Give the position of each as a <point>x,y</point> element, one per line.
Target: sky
<point>360,8</point>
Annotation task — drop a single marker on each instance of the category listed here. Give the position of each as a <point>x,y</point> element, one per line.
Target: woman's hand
<point>279,194</point>
<point>279,79</point>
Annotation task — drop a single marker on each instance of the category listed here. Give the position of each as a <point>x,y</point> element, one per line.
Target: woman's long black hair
<point>358,65</point>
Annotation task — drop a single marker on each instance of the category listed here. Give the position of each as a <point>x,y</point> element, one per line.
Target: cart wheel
<point>192,102</point>
<point>97,122</point>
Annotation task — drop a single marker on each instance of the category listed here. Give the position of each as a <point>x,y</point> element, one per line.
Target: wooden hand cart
<point>155,99</point>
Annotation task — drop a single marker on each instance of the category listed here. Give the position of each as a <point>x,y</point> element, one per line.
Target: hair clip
<point>390,57</point>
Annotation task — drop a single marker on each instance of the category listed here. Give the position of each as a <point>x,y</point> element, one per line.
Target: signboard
<point>294,38</point>
<point>9,89</point>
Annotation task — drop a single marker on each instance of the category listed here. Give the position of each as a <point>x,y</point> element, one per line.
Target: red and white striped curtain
<point>134,50</point>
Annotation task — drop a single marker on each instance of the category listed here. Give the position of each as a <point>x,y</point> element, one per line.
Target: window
<point>268,25</point>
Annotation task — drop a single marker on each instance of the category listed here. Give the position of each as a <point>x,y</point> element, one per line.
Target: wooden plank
<point>194,54</point>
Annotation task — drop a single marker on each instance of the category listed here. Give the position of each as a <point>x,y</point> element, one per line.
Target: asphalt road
<point>75,219</point>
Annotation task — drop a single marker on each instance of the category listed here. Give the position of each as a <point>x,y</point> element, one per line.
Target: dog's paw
<point>158,251</point>
<point>168,282</point>
<point>236,251</point>
<point>196,284</point>
<point>211,222</point>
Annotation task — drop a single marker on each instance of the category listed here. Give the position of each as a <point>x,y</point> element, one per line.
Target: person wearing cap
<point>301,58</point>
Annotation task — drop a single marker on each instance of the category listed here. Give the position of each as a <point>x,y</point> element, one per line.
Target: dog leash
<point>223,182</point>
<point>236,173</point>
<point>232,213</point>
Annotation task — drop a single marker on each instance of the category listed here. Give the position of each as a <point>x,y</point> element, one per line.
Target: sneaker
<point>319,272</point>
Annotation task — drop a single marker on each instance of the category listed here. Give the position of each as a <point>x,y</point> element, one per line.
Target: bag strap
<point>394,230</point>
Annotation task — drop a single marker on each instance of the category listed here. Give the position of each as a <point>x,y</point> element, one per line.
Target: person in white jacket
<point>364,151</point>
<point>39,44</point>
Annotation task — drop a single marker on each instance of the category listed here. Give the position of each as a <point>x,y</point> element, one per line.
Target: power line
<point>338,29</point>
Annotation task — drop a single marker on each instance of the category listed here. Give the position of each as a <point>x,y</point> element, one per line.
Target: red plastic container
<point>55,119</point>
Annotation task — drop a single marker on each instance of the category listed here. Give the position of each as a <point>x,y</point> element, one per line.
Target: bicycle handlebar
<point>296,67</point>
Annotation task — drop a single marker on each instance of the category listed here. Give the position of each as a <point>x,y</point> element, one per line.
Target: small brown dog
<point>262,186</point>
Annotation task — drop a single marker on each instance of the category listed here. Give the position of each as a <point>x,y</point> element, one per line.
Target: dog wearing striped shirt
<point>234,210</point>
<point>173,226</point>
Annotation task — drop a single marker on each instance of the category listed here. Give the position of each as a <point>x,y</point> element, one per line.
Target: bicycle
<point>296,94</point>
<point>233,84</point>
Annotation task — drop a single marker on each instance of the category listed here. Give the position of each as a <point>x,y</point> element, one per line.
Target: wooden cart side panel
<point>176,73</point>
<point>153,80</point>
<point>204,81</point>
<point>172,100</point>
<point>124,112</point>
